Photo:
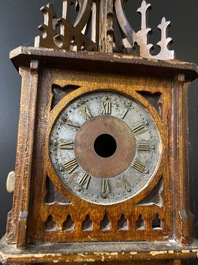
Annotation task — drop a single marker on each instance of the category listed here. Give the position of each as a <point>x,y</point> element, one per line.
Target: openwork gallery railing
<point>96,25</point>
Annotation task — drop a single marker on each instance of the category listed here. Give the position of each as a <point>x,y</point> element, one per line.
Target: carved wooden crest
<point>96,27</point>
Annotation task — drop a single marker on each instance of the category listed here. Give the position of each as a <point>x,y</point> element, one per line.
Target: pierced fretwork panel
<point>50,224</point>
<point>87,224</point>
<point>59,93</point>
<point>123,226</point>
<point>123,223</point>
<point>101,25</point>
<point>68,224</point>
<point>155,197</point>
<point>154,99</point>
<point>157,222</point>
<point>53,195</point>
<point>140,223</point>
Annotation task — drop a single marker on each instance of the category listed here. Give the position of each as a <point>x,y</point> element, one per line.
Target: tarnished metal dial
<point>105,147</point>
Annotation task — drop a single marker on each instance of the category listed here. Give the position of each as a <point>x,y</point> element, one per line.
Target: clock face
<point>104,147</point>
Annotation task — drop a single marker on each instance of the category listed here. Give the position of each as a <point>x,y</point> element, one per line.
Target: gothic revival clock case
<point>102,157</point>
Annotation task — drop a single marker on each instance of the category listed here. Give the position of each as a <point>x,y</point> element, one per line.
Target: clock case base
<point>32,64</point>
<point>129,252</point>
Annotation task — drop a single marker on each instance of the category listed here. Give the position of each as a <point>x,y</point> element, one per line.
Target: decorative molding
<point>95,29</point>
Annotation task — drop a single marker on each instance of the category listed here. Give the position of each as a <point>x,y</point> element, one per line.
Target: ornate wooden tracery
<point>96,28</point>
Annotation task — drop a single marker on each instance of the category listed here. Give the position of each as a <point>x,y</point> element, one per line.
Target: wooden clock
<point>102,155</point>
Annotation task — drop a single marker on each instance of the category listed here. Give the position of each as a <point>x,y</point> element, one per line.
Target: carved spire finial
<point>164,42</point>
<point>95,29</point>
<point>141,36</point>
<point>143,10</point>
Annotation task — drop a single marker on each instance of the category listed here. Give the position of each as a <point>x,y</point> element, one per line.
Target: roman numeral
<point>127,185</point>
<point>76,126</point>
<point>66,145</point>
<point>138,127</point>
<point>106,107</point>
<point>71,165</point>
<point>125,113</point>
<point>139,166</point>
<point>85,180</point>
<point>87,112</point>
<point>105,188</point>
<point>143,146</point>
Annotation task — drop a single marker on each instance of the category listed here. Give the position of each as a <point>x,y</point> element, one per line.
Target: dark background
<point>19,20</point>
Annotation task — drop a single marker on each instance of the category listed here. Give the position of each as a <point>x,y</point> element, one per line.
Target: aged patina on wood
<point>48,223</point>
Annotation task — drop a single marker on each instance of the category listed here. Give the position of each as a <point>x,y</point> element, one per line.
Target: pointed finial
<point>165,53</point>
<point>144,6</point>
<point>143,9</point>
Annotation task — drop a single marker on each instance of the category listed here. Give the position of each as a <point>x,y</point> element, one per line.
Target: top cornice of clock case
<point>103,62</point>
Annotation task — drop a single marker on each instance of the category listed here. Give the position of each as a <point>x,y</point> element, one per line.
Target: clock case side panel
<point>39,174</point>
<point>17,217</point>
<point>180,163</point>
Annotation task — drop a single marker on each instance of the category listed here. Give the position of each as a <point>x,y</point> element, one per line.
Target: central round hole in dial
<point>105,145</point>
